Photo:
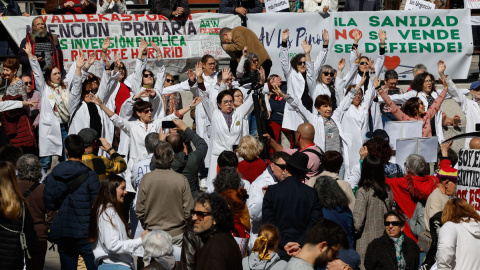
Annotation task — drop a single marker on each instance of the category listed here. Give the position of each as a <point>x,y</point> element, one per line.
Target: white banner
<point>468,185</point>
<point>180,40</point>
<point>413,37</point>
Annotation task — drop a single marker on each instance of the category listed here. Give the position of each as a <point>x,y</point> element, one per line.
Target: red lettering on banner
<point>102,17</point>
<point>210,30</point>
<point>78,20</point>
<point>462,194</point>
<point>343,34</point>
<point>134,53</point>
<point>178,51</point>
<point>126,17</point>
<point>123,54</point>
<point>55,18</point>
<point>74,54</point>
<point>91,18</point>
<point>45,18</point>
<point>115,18</point>
<point>150,52</point>
<point>65,20</point>
<point>151,17</point>
<point>90,52</point>
<point>115,51</point>
<point>138,16</point>
<point>166,52</point>
<point>162,18</point>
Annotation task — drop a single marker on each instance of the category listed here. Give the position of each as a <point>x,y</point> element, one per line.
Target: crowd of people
<point>137,188</point>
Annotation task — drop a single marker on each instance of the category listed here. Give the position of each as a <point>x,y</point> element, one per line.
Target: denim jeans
<point>111,266</point>
<point>47,161</point>
<point>253,124</point>
<point>70,248</point>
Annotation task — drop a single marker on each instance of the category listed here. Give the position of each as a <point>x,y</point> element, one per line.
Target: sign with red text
<point>413,37</point>
<point>179,40</point>
<point>468,185</point>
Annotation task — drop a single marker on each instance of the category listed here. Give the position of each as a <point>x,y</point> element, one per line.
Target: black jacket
<point>73,216</point>
<point>293,207</point>
<point>219,251</point>
<point>381,254</point>
<point>166,7</point>
<point>11,253</point>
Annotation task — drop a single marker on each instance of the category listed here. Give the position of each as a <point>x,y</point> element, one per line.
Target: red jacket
<point>18,126</point>
<point>409,190</point>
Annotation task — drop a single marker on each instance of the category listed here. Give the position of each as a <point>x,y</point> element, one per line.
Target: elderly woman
<point>459,236</point>
<point>159,251</point>
<point>251,166</point>
<point>29,172</point>
<point>394,250</point>
<point>413,188</point>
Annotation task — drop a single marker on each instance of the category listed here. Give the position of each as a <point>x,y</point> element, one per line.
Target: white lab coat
<point>295,86</point>
<point>318,5</point>
<point>469,107</point>
<point>222,138</point>
<point>355,125</point>
<point>255,203</point>
<point>50,135</point>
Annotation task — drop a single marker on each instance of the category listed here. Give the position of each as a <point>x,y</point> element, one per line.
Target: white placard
<point>418,4</point>
<point>424,146</point>
<point>402,130</point>
<point>468,185</point>
<point>276,5</point>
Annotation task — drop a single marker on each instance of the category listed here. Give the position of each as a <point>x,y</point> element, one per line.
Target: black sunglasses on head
<point>394,223</point>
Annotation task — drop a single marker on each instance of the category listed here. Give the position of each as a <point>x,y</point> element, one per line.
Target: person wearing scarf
<point>394,250</point>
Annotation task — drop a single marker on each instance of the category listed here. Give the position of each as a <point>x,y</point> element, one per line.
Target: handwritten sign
<point>419,4</point>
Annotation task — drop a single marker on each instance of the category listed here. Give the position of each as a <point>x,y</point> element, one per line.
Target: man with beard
<point>322,244</point>
<point>45,46</point>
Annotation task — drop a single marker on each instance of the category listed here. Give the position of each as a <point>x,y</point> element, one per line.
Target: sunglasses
<point>281,166</point>
<point>147,110</point>
<point>328,73</point>
<point>394,223</point>
<point>255,61</point>
<point>28,83</point>
<point>200,215</point>
<point>90,91</point>
<point>301,63</point>
<point>363,63</point>
<point>146,75</point>
<point>169,81</point>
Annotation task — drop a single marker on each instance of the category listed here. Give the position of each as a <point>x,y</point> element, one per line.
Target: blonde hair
<point>268,238</point>
<point>11,199</point>
<point>457,210</point>
<point>249,147</point>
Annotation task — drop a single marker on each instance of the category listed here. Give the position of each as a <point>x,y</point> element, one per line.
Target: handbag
<point>23,238</point>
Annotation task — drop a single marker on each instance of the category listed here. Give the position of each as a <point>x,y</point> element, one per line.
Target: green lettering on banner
<point>387,22</point>
<point>399,21</point>
<point>412,47</point>
<point>338,48</point>
<point>423,23</point>
<point>452,21</point>
<point>455,34</point>
<point>63,44</point>
<point>438,47</point>
<point>370,47</point>
<point>373,35</point>
<point>416,34</point>
<point>438,21</point>
<point>94,43</point>
<point>404,36</point>
<point>442,34</point>
<point>374,21</point>
<point>425,47</point>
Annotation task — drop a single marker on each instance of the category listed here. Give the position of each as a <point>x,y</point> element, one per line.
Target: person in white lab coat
<point>54,116</point>
<point>226,124</point>
<point>295,72</point>
<point>470,107</point>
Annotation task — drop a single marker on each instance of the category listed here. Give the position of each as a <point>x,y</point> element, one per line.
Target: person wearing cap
<point>448,177</point>
<point>347,259</point>
<point>101,165</point>
<point>291,205</point>
<point>393,250</point>
<point>470,107</point>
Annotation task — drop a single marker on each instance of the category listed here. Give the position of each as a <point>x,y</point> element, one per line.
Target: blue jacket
<point>73,214</point>
<point>342,216</point>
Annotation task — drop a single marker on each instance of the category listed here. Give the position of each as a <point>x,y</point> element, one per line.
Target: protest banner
<point>413,37</point>
<point>424,146</point>
<point>276,5</point>
<point>468,185</point>
<point>180,40</point>
<point>418,4</point>
<point>402,130</point>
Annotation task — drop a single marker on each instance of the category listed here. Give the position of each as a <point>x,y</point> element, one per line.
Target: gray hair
<point>249,59</point>
<point>157,244</point>
<point>417,165</point>
<point>29,168</point>
<point>164,156</point>
<point>419,67</point>
<point>151,142</point>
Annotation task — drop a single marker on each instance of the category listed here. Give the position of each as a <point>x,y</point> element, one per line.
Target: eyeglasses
<point>427,81</point>
<point>169,81</point>
<point>211,64</point>
<point>28,83</point>
<point>281,166</point>
<point>328,73</point>
<point>147,110</point>
<point>394,223</point>
<point>301,63</point>
<point>200,215</point>
<point>255,61</point>
<point>363,63</point>
<point>227,101</point>
<point>146,75</point>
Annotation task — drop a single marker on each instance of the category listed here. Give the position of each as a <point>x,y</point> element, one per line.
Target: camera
<point>252,77</point>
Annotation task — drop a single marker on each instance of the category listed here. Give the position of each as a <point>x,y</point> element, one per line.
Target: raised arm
<point>322,56</point>
<point>357,35</point>
<point>284,55</point>
<point>241,64</point>
<point>393,107</point>
<point>160,70</point>
<point>139,66</point>
<point>297,105</point>
<point>75,96</point>
<point>37,70</point>
<point>119,122</point>
<point>382,35</point>
<point>432,110</point>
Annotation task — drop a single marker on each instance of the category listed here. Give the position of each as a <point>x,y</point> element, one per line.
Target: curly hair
<point>227,178</point>
<point>249,148</point>
<point>29,168</point>
<point>236,200</point>
<point>411,107</point>
<point>248,61</point>
<point>457,210</point>
<point>329,193</point>
<point>380,148</point>
<point>417,83</point>
<point>218,207</point>
<point>295,60</point>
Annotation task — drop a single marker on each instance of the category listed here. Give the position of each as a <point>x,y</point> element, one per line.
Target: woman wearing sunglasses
<point>394,250</point>
<point>108,229</point>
